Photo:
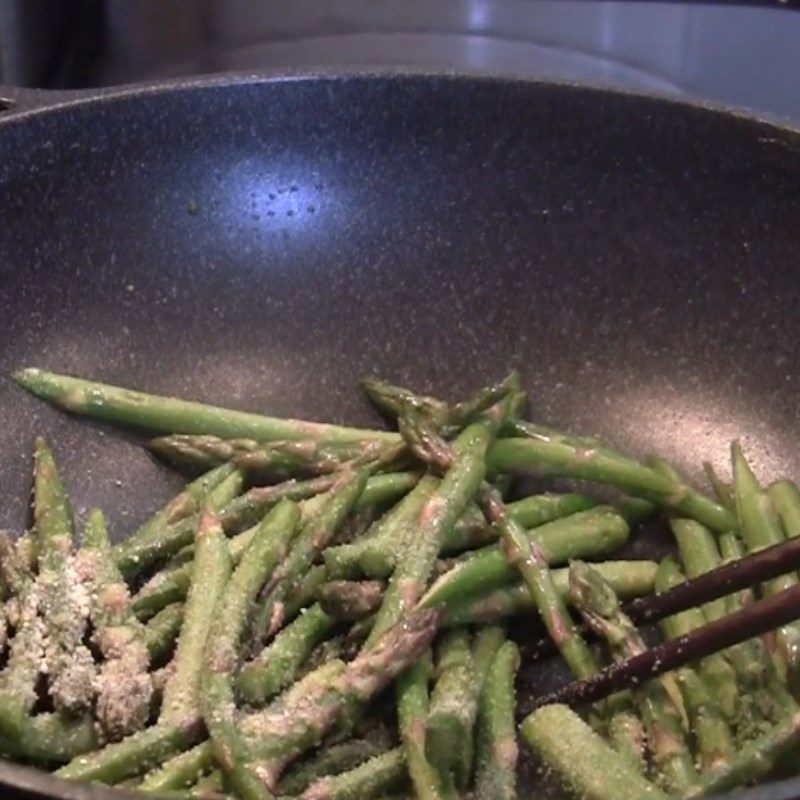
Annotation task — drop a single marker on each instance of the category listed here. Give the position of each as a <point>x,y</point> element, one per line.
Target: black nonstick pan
<point>265,241</point>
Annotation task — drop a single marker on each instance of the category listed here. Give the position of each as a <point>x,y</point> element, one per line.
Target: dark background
<point>740,54</point>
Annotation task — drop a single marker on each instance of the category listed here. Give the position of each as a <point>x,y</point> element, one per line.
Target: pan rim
<point>34,103</point>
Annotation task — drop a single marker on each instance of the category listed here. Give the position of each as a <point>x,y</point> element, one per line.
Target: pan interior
<point>264,244</point>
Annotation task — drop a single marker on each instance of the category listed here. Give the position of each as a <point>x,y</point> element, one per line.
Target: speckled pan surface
<point>263,243</point>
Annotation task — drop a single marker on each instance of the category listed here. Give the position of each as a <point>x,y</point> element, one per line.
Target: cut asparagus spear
<point>180,723</point>
<point>453,708</point>
<point>601,610</point>
<point>171,415</point>
<point>181,771</point>
<point>26,654</point>
<point>785,498</point>
<point>412,713</point>
<point>337,760</point>
<point>588,534</point>
<point>567,745</point>
<point>380,774</point>
<point>485,644</point>
<point>135,755</point>
<point>532,563</point>
<point>278,664</point>
<point>753,760</point>
<point>297,722</point>
<point>276,460</point>
<point>123,686</point>
<point>716,670</point>
<point>316,532</point>
<point>351,600</point>
<point>162,631</point>
<point>134,555</point>
<point>496,749</point>
<point>439,513</point>
<point>268,549</point>
<point>556,455</point>
<point>395,401</point>
<point>628,579</point>
<point>48,739</point>
<point>68,664</point>
<point>711,731</point>
<point>760,528</point>
<point>185,504</point>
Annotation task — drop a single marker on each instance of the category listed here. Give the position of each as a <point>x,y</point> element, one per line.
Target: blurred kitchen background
<point>739,54</point>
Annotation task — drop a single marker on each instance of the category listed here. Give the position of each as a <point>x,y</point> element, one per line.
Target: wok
<point>264,241</point>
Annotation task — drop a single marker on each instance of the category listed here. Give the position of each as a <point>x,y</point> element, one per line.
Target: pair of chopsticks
<point>761,617</point>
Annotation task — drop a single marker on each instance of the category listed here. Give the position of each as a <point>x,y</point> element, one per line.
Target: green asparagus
<point>389,535</point>
<point>277,459</point>
<point>412,712</point>
<point>334,760</point>
<point>171,415</point>
<point>180,724</point>
<point>50,739</point>
<point>716,670</point>
<point>161,633</point>
<point>785,498</point>
<point>700,553</point>
<point>297,722</point>
<point>359,586</point>
<point>711,730</point>
<point>134,555</point>
<point>555,456</point>
<point>722,490</point>
<point>395,401</point>
<point>312,539</point>
<point>600,608</point>
<point>383,773</point>
<point>587,534</point>
<point>761,528</point>
<point>485,644</point>
<point>304,593</point>
<point>628,579</point>
<point>531,561</point>
<point>170,585</point>
<point>279,663</point>
<point>753,760</point>
<point>775,701</point>
<point>438,514</point>
<point>566,744</point>
<point>376,556</point>
<point>68,664</point>
<point>350,600</point>
<point>268,549</point>
<point>496,747</point>
<point>453,708</point>
<point>181,771</point>
<point>185,504</point>
<point>123,686</point>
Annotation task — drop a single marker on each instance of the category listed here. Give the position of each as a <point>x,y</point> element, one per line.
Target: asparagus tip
<point>737,453</point>
<point>26,377</point>
<point>588,588</point>
<point>160,445</point>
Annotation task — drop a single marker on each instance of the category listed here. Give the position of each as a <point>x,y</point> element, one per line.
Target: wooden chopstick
<point>763,616</point>
<point>740,574</point>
